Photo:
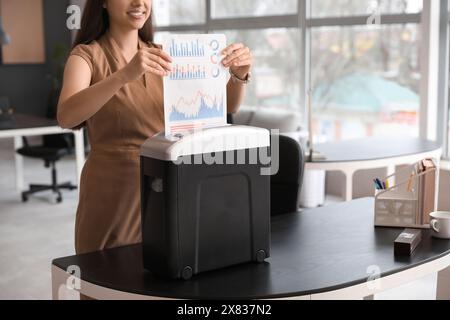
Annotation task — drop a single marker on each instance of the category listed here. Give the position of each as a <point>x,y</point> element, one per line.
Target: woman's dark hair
<point>95,23</point>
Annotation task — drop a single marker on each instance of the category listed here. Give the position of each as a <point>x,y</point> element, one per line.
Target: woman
<point>113,85</point>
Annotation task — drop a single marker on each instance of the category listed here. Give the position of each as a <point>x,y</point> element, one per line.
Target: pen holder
<point>406,204</point>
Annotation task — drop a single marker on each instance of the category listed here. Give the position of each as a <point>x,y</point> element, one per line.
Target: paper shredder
<point>205,201</point>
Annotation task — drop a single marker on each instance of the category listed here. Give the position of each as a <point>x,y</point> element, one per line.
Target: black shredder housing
<point>205,200</point>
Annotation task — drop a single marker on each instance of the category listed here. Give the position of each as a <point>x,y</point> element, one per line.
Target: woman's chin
<point>136,23</point>
<point>136,26</point>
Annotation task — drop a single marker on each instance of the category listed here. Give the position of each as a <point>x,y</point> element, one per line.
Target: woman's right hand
<point>153,60</point>
<point>79,100</point>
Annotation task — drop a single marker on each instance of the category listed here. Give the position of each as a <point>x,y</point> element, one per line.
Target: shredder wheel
<point>187,273</point>
<point>261,256</point>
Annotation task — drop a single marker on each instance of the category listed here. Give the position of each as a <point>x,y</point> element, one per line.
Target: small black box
<point>407,242</point>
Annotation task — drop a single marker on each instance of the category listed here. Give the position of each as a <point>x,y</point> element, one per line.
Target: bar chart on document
<point>195,91</point>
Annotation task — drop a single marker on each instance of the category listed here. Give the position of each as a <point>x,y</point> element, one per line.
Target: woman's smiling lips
<point>136,14</point>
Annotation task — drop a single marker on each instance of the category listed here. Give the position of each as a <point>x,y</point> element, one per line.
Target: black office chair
<point>54,147</point>
<point>286,185</point>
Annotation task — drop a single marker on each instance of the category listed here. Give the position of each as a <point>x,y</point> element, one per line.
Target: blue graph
<point>188,72</point>
<point>187,49</point>
<point>208,108</point>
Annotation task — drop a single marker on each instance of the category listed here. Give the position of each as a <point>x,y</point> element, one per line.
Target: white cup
<point>440,223</point>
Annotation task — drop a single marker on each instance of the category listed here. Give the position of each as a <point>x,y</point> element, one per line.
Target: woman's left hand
<point>238,58</point>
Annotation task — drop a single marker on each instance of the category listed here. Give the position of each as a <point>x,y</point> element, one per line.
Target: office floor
<point>34,233</point>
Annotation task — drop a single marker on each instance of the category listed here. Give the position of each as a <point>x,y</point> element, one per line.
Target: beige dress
<point>108,212</point>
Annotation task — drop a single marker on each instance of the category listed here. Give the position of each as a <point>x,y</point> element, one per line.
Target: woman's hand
<point>238,58</point>
<point>153,60</point>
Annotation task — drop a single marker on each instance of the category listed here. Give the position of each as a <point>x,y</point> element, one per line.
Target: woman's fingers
<point>232,47</point>
<point>154,67</point>
<point>242,55</point>
<point>158,72</point>
<point>160,60</point>
<point>236,56</point>
<point>244,60</point>
<point>159,52</point>
<point>158,67</point>
<point>242,63</point>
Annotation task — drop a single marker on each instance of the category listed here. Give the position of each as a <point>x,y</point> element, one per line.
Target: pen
<point>378,184</point>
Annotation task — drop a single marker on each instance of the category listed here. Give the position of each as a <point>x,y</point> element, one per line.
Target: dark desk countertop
<point>25,121</point>
<point>312,252</point>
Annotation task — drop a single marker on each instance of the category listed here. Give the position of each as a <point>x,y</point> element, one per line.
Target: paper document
<point>195,94</point>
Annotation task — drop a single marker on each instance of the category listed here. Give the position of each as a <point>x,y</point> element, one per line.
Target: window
<point>253,8</point>
<point>366,81</point>
<point>276,73</point>
<point>365,78</point>
<point>448,102</point>
<point>170,12</point>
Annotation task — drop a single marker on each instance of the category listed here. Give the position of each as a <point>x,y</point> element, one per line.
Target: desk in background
<point>372,153</point>
<point>28,125</point>
<point>322,253</point>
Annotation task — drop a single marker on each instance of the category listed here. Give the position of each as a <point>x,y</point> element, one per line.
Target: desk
<point>317,254</point>
<point>28,125</point>
<point>372,153</point>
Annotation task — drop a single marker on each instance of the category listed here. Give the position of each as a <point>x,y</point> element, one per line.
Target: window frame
<point>444,77</point>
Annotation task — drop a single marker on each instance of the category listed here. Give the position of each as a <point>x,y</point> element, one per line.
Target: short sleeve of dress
<point>86,52</point>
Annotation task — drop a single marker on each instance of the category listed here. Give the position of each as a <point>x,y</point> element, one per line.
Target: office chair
<point>286,185</point>
<point>54,147</point>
